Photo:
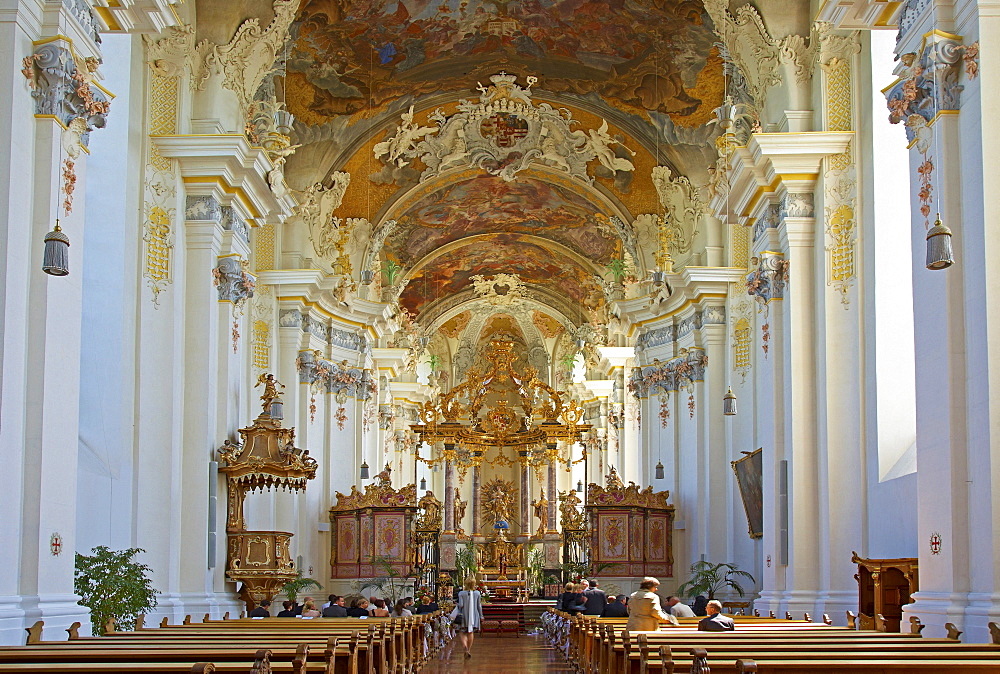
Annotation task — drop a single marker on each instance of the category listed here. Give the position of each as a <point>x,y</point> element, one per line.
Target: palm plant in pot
<point>708,578</point>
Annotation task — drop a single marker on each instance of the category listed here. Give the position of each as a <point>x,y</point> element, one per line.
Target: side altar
<point>374,531</point>
<point>631,530</point>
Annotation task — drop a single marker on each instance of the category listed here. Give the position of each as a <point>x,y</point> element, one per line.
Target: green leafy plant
<point>390,270</point>
<point>390,584</point>
<point>434,361</point>
<point>708,578</point>
<point>112,585</point>
<point>465,562</point>
<point>552,579</point>
<point>294,587</point>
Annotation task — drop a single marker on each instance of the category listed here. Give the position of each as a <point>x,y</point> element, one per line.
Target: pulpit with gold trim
<point>265,458</point>
<point>373,531</point>
<point>631,529</point>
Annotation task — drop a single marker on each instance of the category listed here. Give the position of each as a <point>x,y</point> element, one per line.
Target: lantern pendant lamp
<point>364,470</point>
<point>729,403</point>
<point>939,251</point>
<point>659,470</point>
<point>55,260</point>
<point>423,484</point>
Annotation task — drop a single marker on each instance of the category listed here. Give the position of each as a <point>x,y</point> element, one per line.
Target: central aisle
<point>498,655</point>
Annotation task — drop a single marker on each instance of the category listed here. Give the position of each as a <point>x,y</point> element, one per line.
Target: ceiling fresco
<point>451,272</point>
<point>489,204</point>
<point>350,57</point>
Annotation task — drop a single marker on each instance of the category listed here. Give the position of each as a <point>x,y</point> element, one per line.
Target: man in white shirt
<point>677,609</point>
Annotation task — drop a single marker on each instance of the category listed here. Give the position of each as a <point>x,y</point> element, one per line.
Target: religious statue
<point>459,511</point>
<point>613,481</point>
<point>571,517</point>
<point>382,479</point>
<point>498,494</point>
<point>270,389</point>
<point>431,519</point>
<point>542,513</point>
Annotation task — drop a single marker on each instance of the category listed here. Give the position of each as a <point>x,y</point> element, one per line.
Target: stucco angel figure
<point>601,143</point>
<point>541,506</point>
<point>399,147</point>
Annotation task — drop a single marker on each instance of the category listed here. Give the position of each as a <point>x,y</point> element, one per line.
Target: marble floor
<point>498,655</point>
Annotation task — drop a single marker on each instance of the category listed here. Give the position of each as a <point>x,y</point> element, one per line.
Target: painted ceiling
<point>489,204</point>
<point>545,266</point>
<point>351,57</point>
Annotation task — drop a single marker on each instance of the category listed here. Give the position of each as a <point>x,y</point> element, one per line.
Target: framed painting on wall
<point>749,476</point>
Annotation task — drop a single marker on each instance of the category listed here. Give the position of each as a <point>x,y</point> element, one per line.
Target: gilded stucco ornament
<point>499,290</point>
<point>65,87</point>
<point>682,205</point>
<point>503,133</point>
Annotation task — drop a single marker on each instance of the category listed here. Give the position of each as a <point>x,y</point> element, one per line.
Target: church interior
<point>399,291</point>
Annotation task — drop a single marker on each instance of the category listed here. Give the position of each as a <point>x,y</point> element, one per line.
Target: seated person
<point>379,610</point>
<point>359,609</point>
<point>399,610</point>
<point>309,610</point>
<point>427,605</point>
<point>644,612</point>
<point>715,621</point>
<point>336,608</point>
<point>616,608</point>
<point>699,605</point>
<point>289,609</point>
<point>262,611</point>
<point>677,609</point>
<point>572,600</point>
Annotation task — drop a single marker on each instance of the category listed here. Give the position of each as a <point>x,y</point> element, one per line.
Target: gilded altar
<point>631,529</point>
<point>374,530</point>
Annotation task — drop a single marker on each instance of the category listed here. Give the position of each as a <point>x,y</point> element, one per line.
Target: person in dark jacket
<point>716,622</point>
<point>596,599</point>
<point>336,608</point>
<point>572,600</point>
<point>426,605</point>
<point>289,609</point>
<point>262,610</point>
<point>616,608</point>
<point>359,609</point>
<point>699,605</point>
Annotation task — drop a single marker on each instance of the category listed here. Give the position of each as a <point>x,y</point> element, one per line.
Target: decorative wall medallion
<point>935,543</point>
<point>55,544</point>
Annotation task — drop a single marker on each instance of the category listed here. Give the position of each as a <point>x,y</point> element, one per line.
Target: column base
<point>969,612</point>
<point>57,611</point>
<point>837,604</point>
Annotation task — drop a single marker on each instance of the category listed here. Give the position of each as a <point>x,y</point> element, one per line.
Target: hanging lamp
<point>939,250</point>
<point>423,484</point>
<point>659,470</point>
<point>364,470</point>
<point>729,403</point>
<point>55,259</point>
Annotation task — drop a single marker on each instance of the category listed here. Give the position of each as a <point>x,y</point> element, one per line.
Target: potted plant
<point>465,562</point>
<point>391,585</point>
<point>294,587</point>
<point>708,578</point>
<point>113,586</point>
<point>536,570</point>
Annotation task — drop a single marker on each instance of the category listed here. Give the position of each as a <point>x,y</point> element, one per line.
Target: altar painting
<point>346,547</point>
<point>612,536</point>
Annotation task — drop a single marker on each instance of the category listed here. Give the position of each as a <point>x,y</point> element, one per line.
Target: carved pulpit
<point>373,531</point>
<point>265,458</point>
<point>631,529</point>
<point>884,587</point>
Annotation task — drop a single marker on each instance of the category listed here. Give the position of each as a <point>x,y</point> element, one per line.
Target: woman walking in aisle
<point>470,613</point>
